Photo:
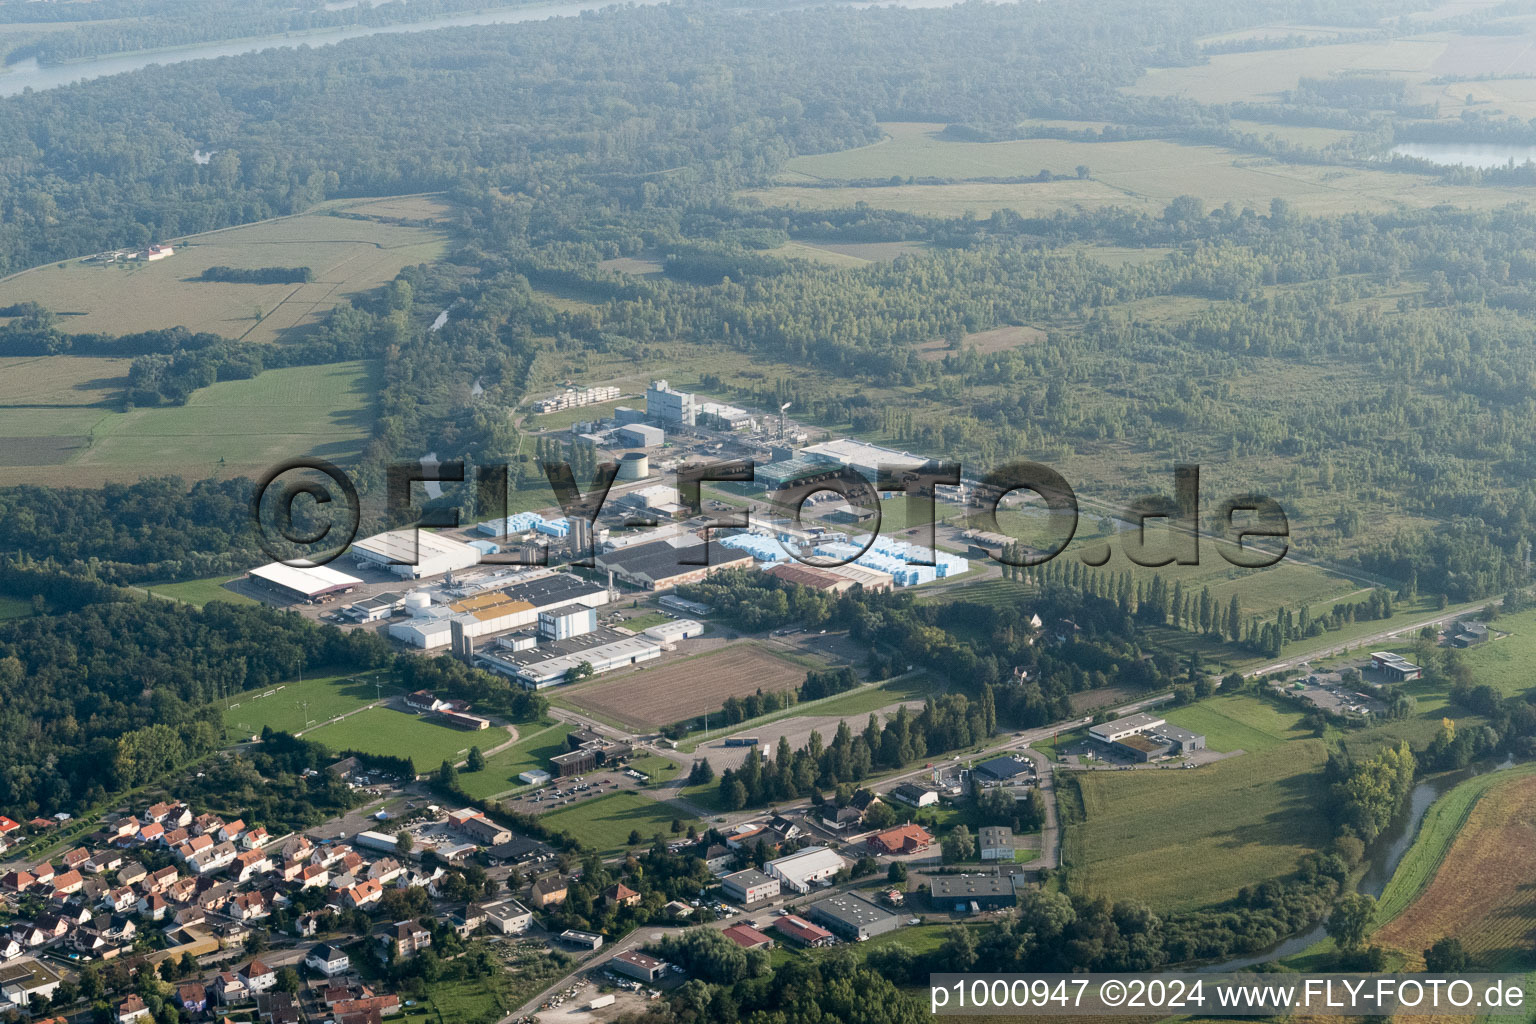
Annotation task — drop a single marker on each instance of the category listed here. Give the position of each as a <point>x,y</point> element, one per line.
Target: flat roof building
<point>1109,732</point>
<point>414,554</point>
<point>800,871</point>
<point>995,842</point>
<point>853,917</point>
<point>1395,667</point>
<point>661,565</point>
<point>298,583</point>
<point>548,663</point>
<point>975,892</point>
<point>638,966</point>
<point>750,886</point>
<point>1005,769</point>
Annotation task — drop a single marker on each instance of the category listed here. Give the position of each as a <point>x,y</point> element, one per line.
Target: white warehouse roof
<point>311,581</point>
<point>413,552</point>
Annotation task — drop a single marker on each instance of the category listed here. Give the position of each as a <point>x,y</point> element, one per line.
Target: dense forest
<point>101,692</point>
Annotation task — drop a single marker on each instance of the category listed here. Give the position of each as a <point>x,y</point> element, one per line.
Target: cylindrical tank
<point>634,466</point>
<point>417,602</point>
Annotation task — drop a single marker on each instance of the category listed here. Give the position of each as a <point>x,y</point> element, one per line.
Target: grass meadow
<point>536,744</point>
<point>603,824</point>
<point>229,428</point>
<point>349,256</point>
<point>200,592</point>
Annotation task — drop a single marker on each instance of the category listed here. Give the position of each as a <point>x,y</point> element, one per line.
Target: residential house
<point>385,870</point>
<point>621,895</point>
<point>718,858</point>
<point>904,839</point>
<point>152,833</point>
<point>76,857</point>
<point>255,839</point>
<point>120,899</point>
<point>364,893</point>
<point>230,988</point>
<point>19,880</point>
<point>249,864</point>
<point>153,906</point>
<point>248,906</point>
<point>68,882</point>
<point>230,832</point>
<point>258,977</point>
<point>131,872</point>
<point>132,1010</point>
<point>192,996</point>
<point>313,875</point>
<point>328,960</point>
<point>409,937</point>
<point>549,891</point>
<point>840,819</point>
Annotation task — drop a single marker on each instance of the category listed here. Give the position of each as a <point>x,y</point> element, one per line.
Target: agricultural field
<point>199,592</point>
<point>1186,839</point>
<point>349,255</point>
<point>227,429</point>
<point>603,824</point>
<point>386,731</point>
<point>653,697</point>
<point>246,714</point>
<point>1440,828</point>
<point>1481,890</point>
<point>1145,174</point>
<point>535,746</point>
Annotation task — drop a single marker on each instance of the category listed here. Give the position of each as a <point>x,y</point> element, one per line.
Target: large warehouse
<point>316,583</point>
<point>853,917</point>
<point>414,554</point>
<point>546,664</point>
<point>661,565</point>
<point>800,871</point>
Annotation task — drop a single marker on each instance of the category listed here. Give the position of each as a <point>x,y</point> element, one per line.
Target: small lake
<point>1482,155</point>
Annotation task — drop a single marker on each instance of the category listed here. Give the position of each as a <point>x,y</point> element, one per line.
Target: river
<point>1381,860</point>
<point>29,74</point>
<point>1482,155</point>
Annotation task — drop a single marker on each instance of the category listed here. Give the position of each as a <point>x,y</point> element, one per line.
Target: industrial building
<point>668,406</point>
<point>853,917</point>
<point>661,565</point>
<point>414,554</point>
<point>507,916</point>
<point>810,576</point>
<point>995,842</point>
<point>901,560</point>
<point>720,416</point>
<point>546,664</point>
<point>638,966</point>
<point>915,796</point>
<point>1395,667</point>
<point>297,583</point>
<point>515,607</point>
<point>1145,737</point>
<point>750,886</point>
<point>802,931</point>
<point>812,865</point>
<point>638,435</point>
<point>587,750</point>
<point>566,622</point>
<point>863,458</point>
<point>669,633</point>
<point>975,892</point>
<point>1005,769</point>
<point>375,608</point>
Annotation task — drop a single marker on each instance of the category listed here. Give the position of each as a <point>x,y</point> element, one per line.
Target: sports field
<point>386,731</point>
<point>681,689</point>
<point>1185,839</point>
<point>1141,174</point>
<point>535,746</point>
<point>229,428</point>
<point>1481,891</point>
<point>348,255</point>
<point>604,824</point>
<point>281,707</point>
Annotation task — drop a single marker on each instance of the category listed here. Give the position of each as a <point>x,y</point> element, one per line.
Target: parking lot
<point>564,792</point>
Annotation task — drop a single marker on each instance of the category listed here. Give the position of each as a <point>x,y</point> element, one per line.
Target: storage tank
<point>634,466</point>
<point>417,602</point>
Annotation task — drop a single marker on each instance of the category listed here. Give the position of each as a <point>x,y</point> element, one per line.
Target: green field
<point>385,731</point>
<point>1185,839</point>
<point>1142,174</point>
<point>238,426</point>
<point>1505,663</point>
<point>348,257</point>
<point>14,607</point>
<point>1238,722</point>
<point>603,824</point>
<point>1436,833</point>
<point>535,746</point>
<point>326,696</point>
<point>646,621</point>
<point>199,592</point>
